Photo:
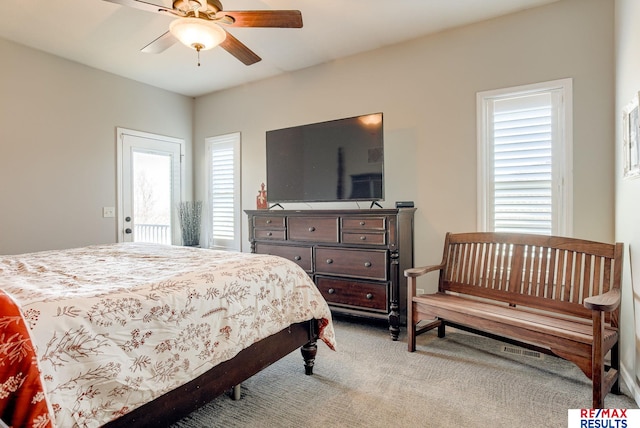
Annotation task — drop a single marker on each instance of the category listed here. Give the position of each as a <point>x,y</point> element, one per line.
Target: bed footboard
<point>178,403</point>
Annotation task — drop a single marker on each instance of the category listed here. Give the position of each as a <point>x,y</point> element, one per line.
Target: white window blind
<point>522,182</point>
<point>224,191</point>
<point>525,164</point>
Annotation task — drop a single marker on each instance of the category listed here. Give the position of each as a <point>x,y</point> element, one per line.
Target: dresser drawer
<point>270,234</point>
<point>348,292</point>
<point>375,223</point>
<point>364,238</point>
<point>313,229</point>
<point>299,255</point>
<point>370,264</point>
<point>269,221</point>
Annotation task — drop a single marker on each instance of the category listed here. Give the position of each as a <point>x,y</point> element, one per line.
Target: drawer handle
<point>312,229</point>
<point>331,291</point>
<point>367,264</point>
<point>268,221</point>
<point>297,258</point>
<point>363,238</point>
<point>369,296</point>
<point>362,223</point>
<point>269,233</point>
<point>329,261</point>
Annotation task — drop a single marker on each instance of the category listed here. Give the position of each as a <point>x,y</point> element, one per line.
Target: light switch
<point>108,212</point>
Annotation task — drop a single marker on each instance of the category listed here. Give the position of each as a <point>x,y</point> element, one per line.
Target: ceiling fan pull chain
<point>198,47</point>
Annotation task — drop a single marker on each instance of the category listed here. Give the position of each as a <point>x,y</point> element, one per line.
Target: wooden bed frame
<point>178,403</point>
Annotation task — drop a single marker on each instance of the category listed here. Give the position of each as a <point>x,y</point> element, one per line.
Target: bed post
<point>309,354</point>
<point>310,349</point>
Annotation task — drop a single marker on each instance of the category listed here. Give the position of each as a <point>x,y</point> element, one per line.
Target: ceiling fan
<point>199,25</point>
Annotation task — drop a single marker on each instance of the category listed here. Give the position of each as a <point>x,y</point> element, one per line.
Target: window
<point>525,159</point>
<point>223,191</point>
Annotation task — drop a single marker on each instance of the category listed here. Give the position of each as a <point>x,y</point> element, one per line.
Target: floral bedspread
<point>115,326</point>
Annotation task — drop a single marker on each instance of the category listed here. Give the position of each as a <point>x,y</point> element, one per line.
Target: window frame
<point>234,141</point>
<point>562,152</point>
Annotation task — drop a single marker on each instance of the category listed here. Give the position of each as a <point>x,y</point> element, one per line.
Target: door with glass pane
<point>149,175</point>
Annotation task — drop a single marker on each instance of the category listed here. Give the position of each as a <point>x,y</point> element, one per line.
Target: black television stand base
<point>276,205</point>
<point>375,203</point>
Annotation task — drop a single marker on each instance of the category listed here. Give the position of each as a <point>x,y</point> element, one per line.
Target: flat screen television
<point>337,160</point>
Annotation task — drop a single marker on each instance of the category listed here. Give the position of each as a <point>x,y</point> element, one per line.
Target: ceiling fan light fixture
<point>197,33</point>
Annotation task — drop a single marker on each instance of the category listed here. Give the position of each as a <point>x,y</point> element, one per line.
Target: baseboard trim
<point>629,381</point>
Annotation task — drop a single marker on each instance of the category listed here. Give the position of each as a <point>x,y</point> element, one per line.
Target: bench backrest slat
<point>543,272</point>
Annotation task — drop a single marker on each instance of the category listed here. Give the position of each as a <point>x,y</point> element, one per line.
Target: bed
<point>142,334</point>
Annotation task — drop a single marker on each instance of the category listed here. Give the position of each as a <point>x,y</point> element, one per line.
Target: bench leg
<point>441,328</point>
<point>411,330</point>
<point>598,400</point>
<point>411,326</point>
<point>615,365</point>
<point>597,361</point>
<point>411,337</point>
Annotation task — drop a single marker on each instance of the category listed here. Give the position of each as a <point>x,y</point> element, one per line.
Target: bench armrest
<point>419,271</point>
<point>606,302</point>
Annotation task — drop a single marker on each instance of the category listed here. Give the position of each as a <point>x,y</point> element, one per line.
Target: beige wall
<point>58,124</point>
<point>628,191</point>
<point>58,120</point>
<point>427,89</point>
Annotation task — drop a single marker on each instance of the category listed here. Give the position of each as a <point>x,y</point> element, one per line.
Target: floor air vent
<point>514,350</point>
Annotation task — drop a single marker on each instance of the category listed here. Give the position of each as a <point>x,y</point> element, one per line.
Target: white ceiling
<point>109,37</point>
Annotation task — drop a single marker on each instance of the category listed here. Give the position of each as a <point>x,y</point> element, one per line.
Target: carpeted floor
<point>460,381</point>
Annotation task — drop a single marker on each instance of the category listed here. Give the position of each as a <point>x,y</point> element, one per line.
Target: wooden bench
<point>556,295</point>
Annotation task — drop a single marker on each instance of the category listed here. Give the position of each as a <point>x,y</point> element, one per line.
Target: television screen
<point>338,160</point>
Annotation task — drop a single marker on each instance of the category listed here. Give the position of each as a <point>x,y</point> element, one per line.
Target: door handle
<point>127,231</point>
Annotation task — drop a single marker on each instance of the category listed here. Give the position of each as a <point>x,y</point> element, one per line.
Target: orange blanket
<point>22,399</point>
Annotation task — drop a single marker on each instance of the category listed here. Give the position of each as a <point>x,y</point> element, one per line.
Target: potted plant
<point>189,213</point>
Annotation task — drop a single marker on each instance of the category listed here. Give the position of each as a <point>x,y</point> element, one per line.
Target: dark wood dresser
<point>355,257</point>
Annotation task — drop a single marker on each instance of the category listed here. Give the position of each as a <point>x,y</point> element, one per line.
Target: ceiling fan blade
<point>236,48</point>
<point>160,44</point>
<point>264,18</point>
<point>149,7</point>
